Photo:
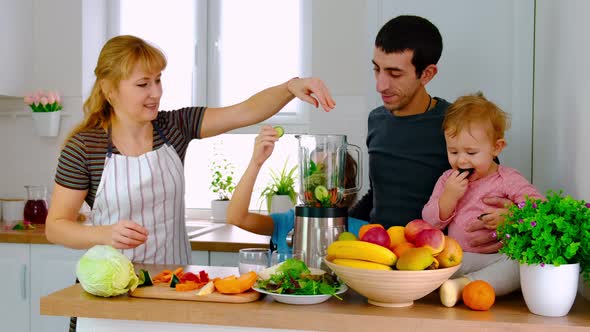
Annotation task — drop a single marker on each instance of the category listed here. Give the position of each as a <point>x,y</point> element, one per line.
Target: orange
<point>479,295</point>
<point>399,249</point>
<point>396,235</point>
<point>365,228</point>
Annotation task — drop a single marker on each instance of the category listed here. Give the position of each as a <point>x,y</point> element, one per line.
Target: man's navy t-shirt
<point>407,155</point>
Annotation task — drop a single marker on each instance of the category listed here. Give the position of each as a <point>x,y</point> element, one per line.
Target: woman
<point>126,158</point>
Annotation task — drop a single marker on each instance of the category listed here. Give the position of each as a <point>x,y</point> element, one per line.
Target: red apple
<point>414,227</point>
<point>377,236</point>
<point>452,254</point>
<point>433,239</point>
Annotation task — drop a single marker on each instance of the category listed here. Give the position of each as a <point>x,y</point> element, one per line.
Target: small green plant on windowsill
<point>282,183</point>
<point>222,181</point>
<point>553,231</point>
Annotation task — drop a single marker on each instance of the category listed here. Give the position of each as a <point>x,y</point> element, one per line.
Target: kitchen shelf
<point>22,114</point>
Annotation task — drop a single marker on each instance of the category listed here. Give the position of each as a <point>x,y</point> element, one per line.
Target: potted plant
<point>223,185</point>
<point>280,193</point>
<point>46,107</point>
<point>551,240</point>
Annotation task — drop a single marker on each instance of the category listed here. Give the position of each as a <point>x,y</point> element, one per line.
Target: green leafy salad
<point>294,278</point>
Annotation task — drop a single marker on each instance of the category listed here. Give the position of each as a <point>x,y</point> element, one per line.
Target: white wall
<point>61,52</point>
<point>26,158</point>
<point>561,152</point>
<point>343,35</point>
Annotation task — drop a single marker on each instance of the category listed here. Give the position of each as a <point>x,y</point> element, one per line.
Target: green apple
<point>346,236</point>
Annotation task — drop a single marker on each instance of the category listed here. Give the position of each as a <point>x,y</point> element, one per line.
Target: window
<point>238,150</point>
<point>220,53</point>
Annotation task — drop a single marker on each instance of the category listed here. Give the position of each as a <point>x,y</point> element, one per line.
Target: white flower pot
<point>219,210</point>
<point>280,203</point>
<point>47,123</point>
<point>549,290</point>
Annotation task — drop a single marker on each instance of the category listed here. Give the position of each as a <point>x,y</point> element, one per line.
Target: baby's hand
<point>264,144</point>
<point>456,184</point>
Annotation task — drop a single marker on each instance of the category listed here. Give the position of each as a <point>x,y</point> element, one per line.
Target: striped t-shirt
<point>82,159</point>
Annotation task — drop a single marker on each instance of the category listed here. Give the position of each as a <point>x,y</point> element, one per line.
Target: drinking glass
<point>253,259</point>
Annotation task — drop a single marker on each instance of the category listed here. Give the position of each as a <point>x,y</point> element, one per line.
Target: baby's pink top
<point>506,183</point>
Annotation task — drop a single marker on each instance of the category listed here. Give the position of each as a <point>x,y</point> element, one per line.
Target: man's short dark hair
<point>412,33</point>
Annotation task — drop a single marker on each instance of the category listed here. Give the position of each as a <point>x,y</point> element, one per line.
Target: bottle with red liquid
<point>36,205</point>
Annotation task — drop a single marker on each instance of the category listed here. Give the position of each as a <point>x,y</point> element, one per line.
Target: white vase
<point>549,290</point>
<point>280,203</point>
<point>219,210</point>
<point>47,123</point>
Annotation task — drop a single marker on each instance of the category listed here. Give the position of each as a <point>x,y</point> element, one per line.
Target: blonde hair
<point>116,61</point>
<point>476,108</point>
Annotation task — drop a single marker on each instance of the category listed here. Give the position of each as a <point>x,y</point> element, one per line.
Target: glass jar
<point>36,206</point>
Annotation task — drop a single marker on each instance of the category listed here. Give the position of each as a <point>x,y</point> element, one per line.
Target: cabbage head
<point>104,271</point>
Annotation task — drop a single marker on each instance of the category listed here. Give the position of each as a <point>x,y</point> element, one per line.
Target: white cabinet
<point>28,272</point>
<point>16,38</point>
<point>15,298</point>
<point>52,268</point>
<point>200,258</point>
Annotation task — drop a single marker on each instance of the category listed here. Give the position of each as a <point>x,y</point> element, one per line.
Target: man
<point>407,150</point>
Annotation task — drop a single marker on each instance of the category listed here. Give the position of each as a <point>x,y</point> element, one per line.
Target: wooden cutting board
<point>163,291</point>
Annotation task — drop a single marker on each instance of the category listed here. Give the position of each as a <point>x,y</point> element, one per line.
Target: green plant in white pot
<point>223,185</point>
<point>46,107</point>
<point>280,193</point>
<point>551,241</point>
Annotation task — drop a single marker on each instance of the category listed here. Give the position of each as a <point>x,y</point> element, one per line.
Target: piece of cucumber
<point>280,131</point>
<point>321,193</point>
<point>144,278</point>
<point>174,281</point>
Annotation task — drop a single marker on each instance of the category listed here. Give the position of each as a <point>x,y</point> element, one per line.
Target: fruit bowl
<point>392,288</point>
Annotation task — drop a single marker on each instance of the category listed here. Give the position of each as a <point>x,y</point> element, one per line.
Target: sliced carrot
<point>189,286</point>
<point>164,278</point>
<point>185,287</point>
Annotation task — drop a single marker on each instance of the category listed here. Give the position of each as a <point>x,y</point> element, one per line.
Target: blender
<point>321,218</point>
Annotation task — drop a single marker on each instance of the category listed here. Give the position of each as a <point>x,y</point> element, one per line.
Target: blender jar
<point>36,206</point>
<point>322,162</point>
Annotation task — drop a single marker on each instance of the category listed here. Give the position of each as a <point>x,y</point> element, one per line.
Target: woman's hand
<point>491,218</point>
<point>495,214</point>
<point>304,88</point>
<point>126,234</point>
<point>264,145</point>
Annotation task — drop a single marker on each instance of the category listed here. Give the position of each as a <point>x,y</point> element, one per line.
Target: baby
<point>474,132</point>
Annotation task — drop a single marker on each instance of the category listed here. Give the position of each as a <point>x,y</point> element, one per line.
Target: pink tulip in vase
<point>46,107</point>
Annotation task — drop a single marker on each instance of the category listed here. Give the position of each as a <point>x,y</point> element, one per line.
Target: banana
<point>357,263</point>
<point>362,250</point>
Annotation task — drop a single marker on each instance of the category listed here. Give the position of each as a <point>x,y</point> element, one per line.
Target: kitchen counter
<point>217,237</point>
<point>34,236</point>
<point>351,314</point>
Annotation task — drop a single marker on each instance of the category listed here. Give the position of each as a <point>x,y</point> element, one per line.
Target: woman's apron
<point>149,190</point>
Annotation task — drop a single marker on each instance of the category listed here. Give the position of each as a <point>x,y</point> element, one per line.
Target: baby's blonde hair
<point>475,108</point>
